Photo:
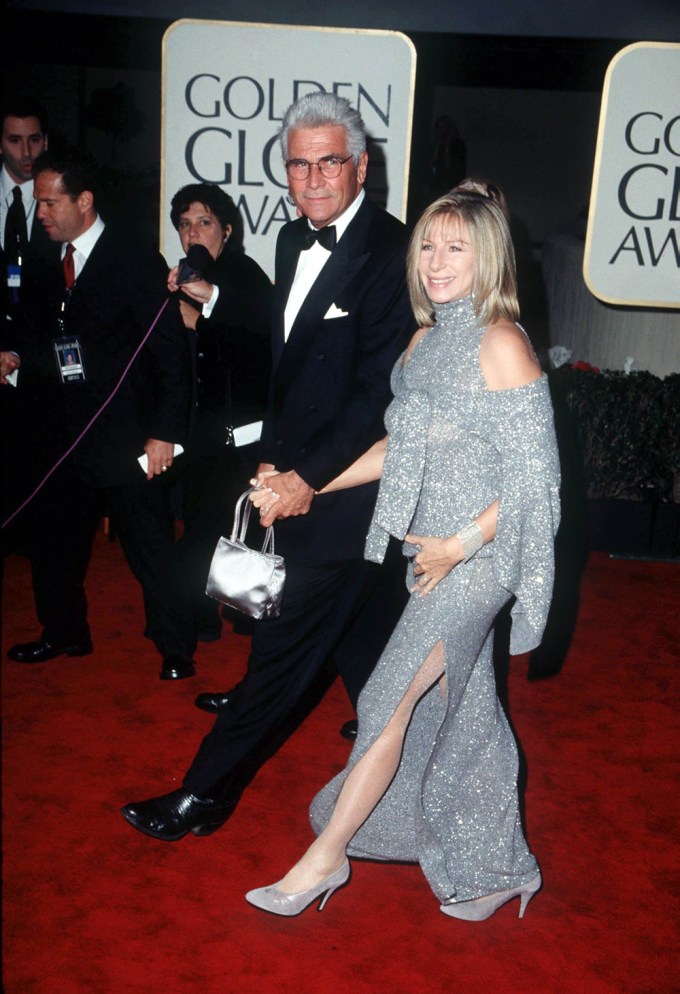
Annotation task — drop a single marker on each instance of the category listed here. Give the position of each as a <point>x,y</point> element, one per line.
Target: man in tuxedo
<point>82,329</point>
<point>341,319</point>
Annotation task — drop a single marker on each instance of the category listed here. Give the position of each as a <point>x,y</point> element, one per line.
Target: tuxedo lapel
<point>286,264</point>
<point>347,259</point>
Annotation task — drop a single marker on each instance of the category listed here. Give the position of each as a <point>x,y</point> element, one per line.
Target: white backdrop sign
<point>226,87</point>
<point>632,251</point>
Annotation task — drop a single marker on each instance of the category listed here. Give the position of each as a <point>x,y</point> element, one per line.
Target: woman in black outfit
<point>228,312</point>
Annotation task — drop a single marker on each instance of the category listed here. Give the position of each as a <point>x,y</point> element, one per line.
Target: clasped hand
<point>279,495</point>
<point>436,559</point>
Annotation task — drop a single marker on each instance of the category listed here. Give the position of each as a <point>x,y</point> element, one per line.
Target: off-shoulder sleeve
<point>522,430</point>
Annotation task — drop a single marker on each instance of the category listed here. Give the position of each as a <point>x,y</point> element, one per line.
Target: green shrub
<point>628,425</point>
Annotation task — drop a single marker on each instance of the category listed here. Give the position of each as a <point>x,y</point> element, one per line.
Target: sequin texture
<point>454,447</point>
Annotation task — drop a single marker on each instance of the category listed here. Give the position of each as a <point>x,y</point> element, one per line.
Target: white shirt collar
<point>342,223</point>
<point>310,263</point>
<point>7,185</point>
<point>84,243</point>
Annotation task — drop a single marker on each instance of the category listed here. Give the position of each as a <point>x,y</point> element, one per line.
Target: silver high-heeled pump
<point>483,907</point>
<point>278,903</point>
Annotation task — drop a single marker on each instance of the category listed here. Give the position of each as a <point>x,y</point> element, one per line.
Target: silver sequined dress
<point>454,447</point>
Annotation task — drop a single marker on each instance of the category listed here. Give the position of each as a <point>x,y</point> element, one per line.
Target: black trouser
<point>146,532</point>
<point>56,533</point>
<point>319,603</point>
<point>57,530</point>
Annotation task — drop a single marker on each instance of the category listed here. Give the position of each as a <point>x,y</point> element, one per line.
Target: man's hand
<point>160,455</point>
<point>283,495</point>
<point>9,361</point>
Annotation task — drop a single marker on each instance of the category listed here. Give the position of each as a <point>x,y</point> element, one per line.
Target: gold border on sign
<point>596,180</point>
<point>288,27</point>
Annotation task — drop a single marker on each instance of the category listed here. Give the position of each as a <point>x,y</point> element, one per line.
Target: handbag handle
<point>240,526</point>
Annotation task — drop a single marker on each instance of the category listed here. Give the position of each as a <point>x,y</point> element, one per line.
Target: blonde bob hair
<point>494,284</point>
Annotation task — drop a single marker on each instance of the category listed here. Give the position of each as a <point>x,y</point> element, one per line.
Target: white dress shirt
<point>310,264</point>
<point>7,185</point>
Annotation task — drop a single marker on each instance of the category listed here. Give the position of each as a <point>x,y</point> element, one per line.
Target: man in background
<point>24,138</point>
<point>74,343</point>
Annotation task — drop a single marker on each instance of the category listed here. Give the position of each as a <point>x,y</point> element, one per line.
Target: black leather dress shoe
<point>349,730</point>
<point>171,816</point>
<point>212,702</point>
<point>42,649</point>
<point>177,668</point>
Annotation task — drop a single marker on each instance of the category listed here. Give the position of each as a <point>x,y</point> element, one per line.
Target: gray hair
<point>322,110</point>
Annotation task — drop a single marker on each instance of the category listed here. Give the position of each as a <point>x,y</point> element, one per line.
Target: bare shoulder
<point>506,357</point>
<point>414,341</point>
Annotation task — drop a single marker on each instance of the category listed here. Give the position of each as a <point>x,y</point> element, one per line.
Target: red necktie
<point>69,266</point>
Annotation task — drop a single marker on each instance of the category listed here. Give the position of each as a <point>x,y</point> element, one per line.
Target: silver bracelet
<point>470,537</point>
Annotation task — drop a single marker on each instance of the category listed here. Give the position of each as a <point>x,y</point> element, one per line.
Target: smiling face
<point>199,226</point>
<point>446,264</point>
<point>22,142</point>
<point>318,198</point>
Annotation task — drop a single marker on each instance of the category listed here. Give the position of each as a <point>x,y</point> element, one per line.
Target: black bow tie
<point>326,237</point>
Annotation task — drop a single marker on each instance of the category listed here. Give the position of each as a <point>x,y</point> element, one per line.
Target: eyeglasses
<point>329,166</point>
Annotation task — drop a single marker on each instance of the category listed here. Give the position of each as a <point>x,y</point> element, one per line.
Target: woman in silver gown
<point>469,478</point>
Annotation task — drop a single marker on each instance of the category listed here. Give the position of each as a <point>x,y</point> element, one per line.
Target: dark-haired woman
<point>228,313</point>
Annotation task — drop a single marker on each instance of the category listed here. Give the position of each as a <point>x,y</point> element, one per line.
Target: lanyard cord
<point>90,422</point>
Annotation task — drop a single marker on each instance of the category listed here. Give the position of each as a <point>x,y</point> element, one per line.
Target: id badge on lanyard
<point>68,352</point>
<point>14,280</point>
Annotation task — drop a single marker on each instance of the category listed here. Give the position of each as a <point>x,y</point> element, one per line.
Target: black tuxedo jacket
<point>330,380</point>
<point>114,301</point>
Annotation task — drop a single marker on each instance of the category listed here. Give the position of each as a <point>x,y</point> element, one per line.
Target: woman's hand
<point>262,496</point>
<point>436,559</point>
<point>173,285</point>
<point>189,314</point>
<point>199,290</point>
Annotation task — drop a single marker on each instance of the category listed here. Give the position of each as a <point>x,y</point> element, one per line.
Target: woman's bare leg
<point>364,786</point>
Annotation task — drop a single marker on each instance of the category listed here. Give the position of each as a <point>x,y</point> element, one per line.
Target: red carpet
<point>92,907</point>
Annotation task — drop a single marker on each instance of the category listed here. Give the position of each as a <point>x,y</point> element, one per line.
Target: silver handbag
<point>243,578</point>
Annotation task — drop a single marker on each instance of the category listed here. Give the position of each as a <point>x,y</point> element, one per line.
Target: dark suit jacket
<point>113,303</point>
<point>330,384</point>
<point>232,349</point>
<point>41,251</point>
